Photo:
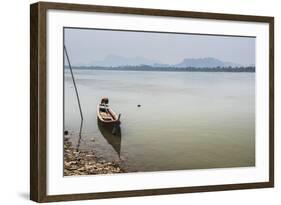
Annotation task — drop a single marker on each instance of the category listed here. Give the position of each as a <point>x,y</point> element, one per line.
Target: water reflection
<point>113,139</point>
<point>80,136</point>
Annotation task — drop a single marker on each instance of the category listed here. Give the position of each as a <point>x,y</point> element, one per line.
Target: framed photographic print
<point>134,102</point>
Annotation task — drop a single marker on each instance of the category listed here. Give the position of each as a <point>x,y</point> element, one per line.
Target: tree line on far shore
<point>177,69</point>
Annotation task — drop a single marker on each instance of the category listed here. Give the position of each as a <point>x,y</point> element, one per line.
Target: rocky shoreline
<point>86,162</point>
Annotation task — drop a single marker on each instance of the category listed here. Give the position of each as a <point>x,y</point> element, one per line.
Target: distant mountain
<point>115,60</point>
<point>205,63</point>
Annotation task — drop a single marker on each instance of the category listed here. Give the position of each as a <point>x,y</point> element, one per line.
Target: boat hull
<point>108,123</point>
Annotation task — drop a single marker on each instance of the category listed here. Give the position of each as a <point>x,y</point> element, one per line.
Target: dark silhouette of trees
<point>170,68</point>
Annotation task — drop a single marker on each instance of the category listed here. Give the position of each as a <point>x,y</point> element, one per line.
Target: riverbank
<point>86,162</point>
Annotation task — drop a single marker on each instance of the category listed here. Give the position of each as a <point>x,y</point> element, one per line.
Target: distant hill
<point>205,63</point>
<point>114,62</point>
<point>117,61</point>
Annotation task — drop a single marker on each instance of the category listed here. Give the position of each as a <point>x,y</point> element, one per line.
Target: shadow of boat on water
<point>113,139</point>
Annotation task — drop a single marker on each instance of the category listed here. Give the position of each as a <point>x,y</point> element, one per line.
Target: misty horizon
<point>106,62</point>
<point>90,47</point>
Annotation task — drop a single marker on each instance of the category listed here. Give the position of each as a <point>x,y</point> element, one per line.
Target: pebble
<point>85,163</point>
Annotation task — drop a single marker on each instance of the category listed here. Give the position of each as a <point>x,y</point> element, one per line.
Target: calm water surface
<point>187,120</point>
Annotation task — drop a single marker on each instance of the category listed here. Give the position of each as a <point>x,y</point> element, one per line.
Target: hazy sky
<point>88,45</point>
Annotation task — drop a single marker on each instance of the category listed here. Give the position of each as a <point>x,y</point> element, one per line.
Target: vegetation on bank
<point>175,69</point>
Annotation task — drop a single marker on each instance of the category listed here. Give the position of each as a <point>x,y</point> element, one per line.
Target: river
<point>186,120</point>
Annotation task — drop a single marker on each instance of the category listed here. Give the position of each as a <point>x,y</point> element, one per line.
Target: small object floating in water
<point>92,139</point>
<point>106,116</point>
<point>139,105</point>
<point>65,132</point>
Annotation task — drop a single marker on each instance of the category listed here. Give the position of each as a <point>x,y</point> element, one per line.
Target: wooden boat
<point>106,116</point>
